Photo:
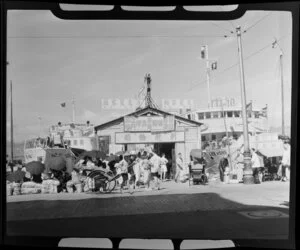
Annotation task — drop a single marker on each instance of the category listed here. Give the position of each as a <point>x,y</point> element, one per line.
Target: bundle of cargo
<point>31,187</point>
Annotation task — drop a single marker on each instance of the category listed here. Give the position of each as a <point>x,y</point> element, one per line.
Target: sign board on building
<point>149,123</point>
<point>148,137</point>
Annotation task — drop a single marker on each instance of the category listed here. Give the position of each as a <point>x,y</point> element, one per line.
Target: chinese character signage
<point>149,123</point>
<point>149,137</point>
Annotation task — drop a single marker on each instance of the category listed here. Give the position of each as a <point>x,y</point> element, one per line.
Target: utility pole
<point>11,123</point>
<point>275,43</point>
<point>282,95</point>
<point>248,173</point>
<point>208,76</point>
<point>228,146</point>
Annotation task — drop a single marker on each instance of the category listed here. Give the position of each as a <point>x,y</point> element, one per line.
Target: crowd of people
<point>262,166</point>
<point>143,169</point>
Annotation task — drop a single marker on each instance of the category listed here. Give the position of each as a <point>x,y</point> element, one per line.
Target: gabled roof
<point>144,111</point>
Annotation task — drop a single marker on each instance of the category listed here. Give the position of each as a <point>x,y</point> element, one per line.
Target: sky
<point>51,60</point>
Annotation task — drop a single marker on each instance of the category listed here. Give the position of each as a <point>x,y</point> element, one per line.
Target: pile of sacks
<point>14,188</point>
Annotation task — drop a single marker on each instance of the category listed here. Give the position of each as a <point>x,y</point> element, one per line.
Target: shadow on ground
<point>189,216</point>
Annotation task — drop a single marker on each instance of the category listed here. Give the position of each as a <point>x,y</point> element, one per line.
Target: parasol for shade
<point>35,167</point>
<point>93,154</point>
<point>16,176</point>
<point>56,163</point>
<point>196,153</point>
<point>120,153</point>
<point>113,158</point>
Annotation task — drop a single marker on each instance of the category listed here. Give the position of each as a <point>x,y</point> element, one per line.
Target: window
<point>203,138</point>
<point>213,137</point>
<point>229,113</point>
<point>75,142</point>
<point>81,142</point>
<point>249,114</point>
<point>256,114</point>
<point>222,114</point>
<point>215,114</point>
<point>200,116</point>
<point>207,115</point>
<point>237,114</point>
<point>189,117</point>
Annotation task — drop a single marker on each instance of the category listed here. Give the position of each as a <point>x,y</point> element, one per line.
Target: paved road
<point>177,210</point>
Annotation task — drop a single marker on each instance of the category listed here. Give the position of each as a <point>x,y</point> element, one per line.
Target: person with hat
<point>179,166</point>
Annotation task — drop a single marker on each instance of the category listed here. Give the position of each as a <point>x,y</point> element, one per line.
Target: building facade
<point>150,127</point>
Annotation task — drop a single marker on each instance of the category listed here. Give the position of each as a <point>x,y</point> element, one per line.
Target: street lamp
<point>248,173</point>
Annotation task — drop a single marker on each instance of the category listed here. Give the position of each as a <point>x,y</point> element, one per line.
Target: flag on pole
<point>63,104</point>
<point>249,107</point>
<point>203,52</point>
<point>264,112</point>
<point>214,65</point>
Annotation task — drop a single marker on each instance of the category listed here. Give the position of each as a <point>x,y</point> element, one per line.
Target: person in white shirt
<point>163,166</point>
<point>255,162</point>
<point>285,161</point>
<point>155,164</point>
<point>179,166</point>
<point>124,172</point>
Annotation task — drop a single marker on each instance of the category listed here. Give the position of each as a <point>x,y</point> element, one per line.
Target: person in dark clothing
<point>37,178</point>
<point>222,165</point>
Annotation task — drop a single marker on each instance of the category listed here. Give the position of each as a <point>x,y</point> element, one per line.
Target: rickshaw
<point>197,168</point>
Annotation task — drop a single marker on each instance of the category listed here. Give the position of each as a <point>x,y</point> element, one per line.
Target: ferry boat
<point>77,137</point>
<point>225,118</point>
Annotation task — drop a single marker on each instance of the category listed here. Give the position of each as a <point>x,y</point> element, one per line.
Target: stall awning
<point>271,152</point>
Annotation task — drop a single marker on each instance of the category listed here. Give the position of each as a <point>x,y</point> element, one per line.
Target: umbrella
<point>113,158</point>
<point>35,167</point>
<point>93,154</point>
<point>56,163</point>
<point>16,176</point>
<point>120,153</point>
<point>77,151</point>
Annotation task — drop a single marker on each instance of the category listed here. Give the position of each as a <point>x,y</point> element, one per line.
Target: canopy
<point>196,153</point>
<point>113,158</point>
<point>56,163</point>
<point>35,167</point>
<point>77,151</point>
<point>120,153</point>
<point>16,176</point>
<point>271,152</point>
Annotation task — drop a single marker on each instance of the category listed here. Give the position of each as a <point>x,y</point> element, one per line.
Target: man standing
<point>179,166</point>
<point>255,163</point>
<point>285,161</point>
<point>155,164</point>
<point>124,172</point>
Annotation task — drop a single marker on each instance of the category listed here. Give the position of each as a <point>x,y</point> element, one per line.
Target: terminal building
<point>149,126</point>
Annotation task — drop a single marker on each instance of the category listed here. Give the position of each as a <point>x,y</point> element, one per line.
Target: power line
<point>221,27</point>
<point>247,29</point>
<point>230,67</point>
<point>141,36</point>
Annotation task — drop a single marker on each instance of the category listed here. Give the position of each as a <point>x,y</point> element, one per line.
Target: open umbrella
<point>93,154</point>
<point>16,176</point>
<point>77,151</point>
<point>120,153</point>
<point>35,167</point>
<point>56,163</point>
<point>196,153</point>
<point>113,158</point>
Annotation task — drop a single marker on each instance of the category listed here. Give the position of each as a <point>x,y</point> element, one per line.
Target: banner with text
<point>124,138</point>
<point>149,123</point>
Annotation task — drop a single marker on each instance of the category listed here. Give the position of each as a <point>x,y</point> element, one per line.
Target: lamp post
<point>248,173</point>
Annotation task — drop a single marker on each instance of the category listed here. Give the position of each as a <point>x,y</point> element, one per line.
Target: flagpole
<point>73,109</point>
<point>11,123</point>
